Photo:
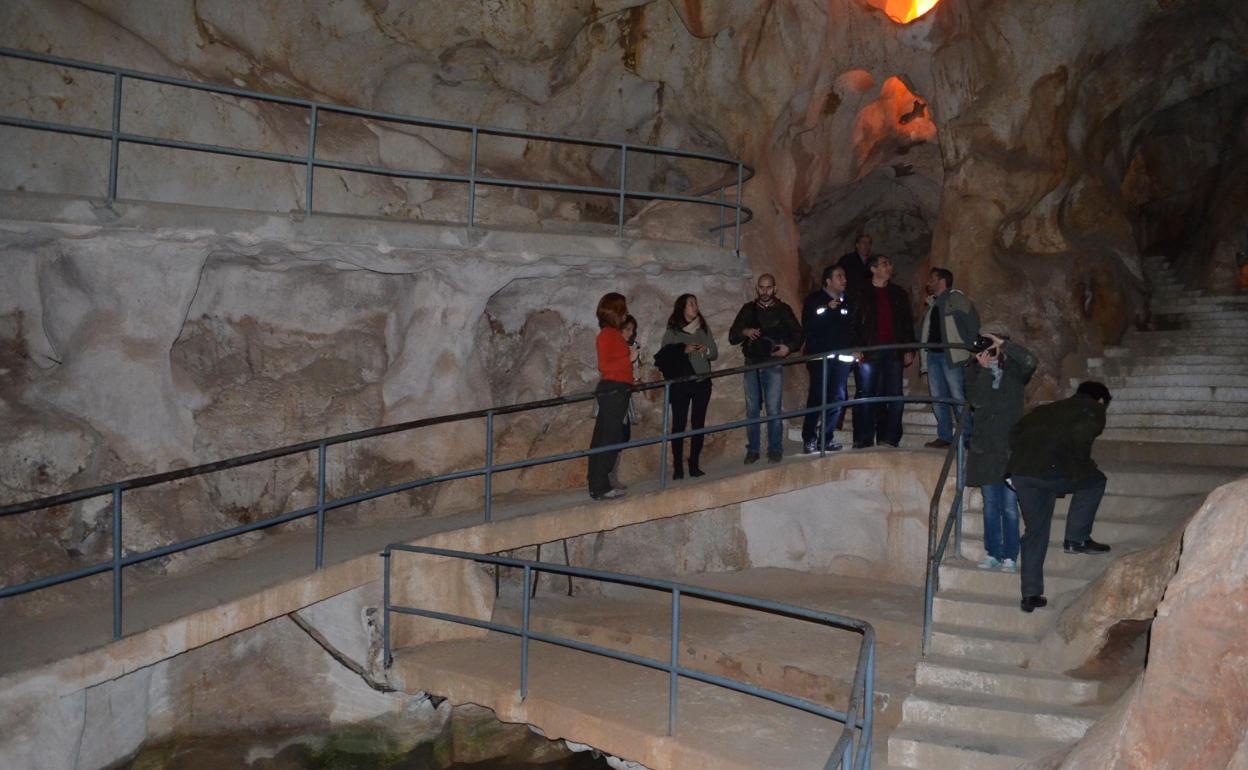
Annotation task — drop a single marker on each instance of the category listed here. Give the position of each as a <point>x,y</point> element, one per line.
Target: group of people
<point>1021,462</point>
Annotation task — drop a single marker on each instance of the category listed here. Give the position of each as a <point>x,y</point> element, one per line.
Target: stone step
<point>1209,422</point>
<point>1056,560</point>
<point>987,612</point>
<point>1127,367</point>
<point>1210,335</point>
<point>1106,529</point>
<point>964,711</point>
<point>1154,480</point>
<point>1144,380</point>
<point>1237,349</point>
<point>936,749</point>
<point>1132,406</point>
<point>1190,299</point>
<point>965,577</point>
<point>1183,393</point>
<point>1229,438</point>
<point>986,678</point>
<point>1118,356</point>
<point>981,644</point>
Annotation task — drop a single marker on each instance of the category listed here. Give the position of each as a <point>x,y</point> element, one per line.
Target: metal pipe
<point>823,409</point>
<point>667,426</point>
<point>115,143</point>
<point>721,216</point>
<point>740,182</point>
<point>489,466</point>
<point>385,615</point>
<point>311,169</point>
<point>673,678</point>
<point>524,634</point>
<point>320,506</point>
<point>623,187</point>
<point>472,183</point>
<point>117,555</point>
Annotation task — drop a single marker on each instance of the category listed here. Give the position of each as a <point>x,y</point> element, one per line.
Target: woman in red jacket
<point>615,370</point>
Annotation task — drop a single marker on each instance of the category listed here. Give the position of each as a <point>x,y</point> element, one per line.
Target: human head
<point>612,310</point>
<point>834,279</point>
<point>939,281</point>
<point>881,268</point>
<point>766,287</point>
<point>1095,391</point>
<point>862,244</point>
<point>679,318</point>
<point>629,328</point>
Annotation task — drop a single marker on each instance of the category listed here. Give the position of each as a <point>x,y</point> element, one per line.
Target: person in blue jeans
<point>995,379</point>
<point>950,318</point>
<point>767,330</point>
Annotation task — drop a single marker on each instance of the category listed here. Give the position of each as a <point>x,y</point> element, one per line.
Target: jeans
<point>1036,498</point>
<point>1000,521</point>
<point>764,387</point>
<point>879,375</point>
<point>837,389</point>
<point>946,381</point>
<point>608,429</point>
<point>684,396</point>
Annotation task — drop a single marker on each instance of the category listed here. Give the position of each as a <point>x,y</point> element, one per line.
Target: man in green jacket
<point>950,318</point>
<point>1051,456</point>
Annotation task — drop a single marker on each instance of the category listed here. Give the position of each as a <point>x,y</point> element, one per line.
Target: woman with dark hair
<point>615,372</point>
<point>687,327</point>
<point>629,330</point>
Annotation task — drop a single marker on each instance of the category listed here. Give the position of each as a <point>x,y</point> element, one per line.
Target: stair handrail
<point>853,747</point>
<point>740,173</point>
<point>953,522</point>
<point>323,505</point>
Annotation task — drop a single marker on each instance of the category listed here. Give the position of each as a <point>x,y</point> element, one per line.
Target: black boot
<point>678,468</point>
<point>694,470</point>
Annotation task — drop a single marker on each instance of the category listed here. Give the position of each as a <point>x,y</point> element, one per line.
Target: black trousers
<point>1036,498</point>
<point>689,401</point>
<point>608,429</point>
<point>837,389</point>
<point>879,375</point>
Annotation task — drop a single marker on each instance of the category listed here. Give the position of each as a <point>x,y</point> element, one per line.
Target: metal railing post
<point>115,148</point>
<point>721,216</point>
<point>673,678</point>
<point>320,505</point>
<point>623,177</point>
<point>868,718</point>
<point>489,465</point>
<point>667,428</point>
<point>524,635</point>
<point>117,562</point>
<point>740,181</point>
<point>823,406</point>
<point>312,119</point>
<point>961,481</point>
<point>387,657</point>
<point>472,180</point>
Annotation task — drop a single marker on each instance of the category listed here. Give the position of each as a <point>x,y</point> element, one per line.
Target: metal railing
<point>853,748</point>
<point>953,523</point>
<point>323,505</point>
<point>735,173</point>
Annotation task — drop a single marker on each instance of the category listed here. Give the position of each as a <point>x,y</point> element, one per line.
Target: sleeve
<point>906,321</point>
<point>974,378</point>
<point>1021,362</point>
<point>736,334</point>
<point>793,329</point>
<point>967,320</point>
<point>712,350</point>
<point>669,337</point>
<point>808,313</point>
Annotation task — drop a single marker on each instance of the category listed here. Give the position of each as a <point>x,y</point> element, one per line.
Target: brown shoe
<point>938,443</point>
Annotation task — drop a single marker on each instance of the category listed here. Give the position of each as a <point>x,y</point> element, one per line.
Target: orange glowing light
<point>904,11</point>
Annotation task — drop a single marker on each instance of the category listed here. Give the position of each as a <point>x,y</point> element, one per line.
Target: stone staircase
<point>980,702</point>
<point>1187,381</point>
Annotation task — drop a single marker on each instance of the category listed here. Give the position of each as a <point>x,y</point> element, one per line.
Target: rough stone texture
<point>1189,708</point>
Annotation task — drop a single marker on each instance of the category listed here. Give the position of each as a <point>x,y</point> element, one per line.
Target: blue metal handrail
<point>953,523</point>
<point>853,748</point>
<point>736,173</point>
<point>115,490</point>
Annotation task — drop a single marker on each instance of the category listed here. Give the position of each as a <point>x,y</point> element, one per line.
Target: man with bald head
<point>767,330</point>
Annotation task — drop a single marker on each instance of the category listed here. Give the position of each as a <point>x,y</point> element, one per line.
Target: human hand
<point>690,347</point>
<point>907,358</point>
<point>753,333</point>
<point>984,357</point>
<point>782,351</point>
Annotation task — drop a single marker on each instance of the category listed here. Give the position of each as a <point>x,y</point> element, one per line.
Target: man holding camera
<point>766,330</point>
<point>829,324</point>
<point>950,318</point>
<point>1051,457</point>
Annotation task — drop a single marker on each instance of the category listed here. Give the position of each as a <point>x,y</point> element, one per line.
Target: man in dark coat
<point>829,324</point>
<point>886,319</point>
<point>857,274</point>
<point>766,330</point>
<point>1051,455</point>
<point>995,379</point>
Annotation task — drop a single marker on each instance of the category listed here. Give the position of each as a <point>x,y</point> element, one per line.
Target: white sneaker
<point>1009,565</point>
<point>989,562</point>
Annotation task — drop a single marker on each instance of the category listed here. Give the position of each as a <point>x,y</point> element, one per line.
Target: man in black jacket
<point>857,274</point>
<point>830,324</point>
<point>766,330</point>
<point>1051,456</point>
<point>886,319</point>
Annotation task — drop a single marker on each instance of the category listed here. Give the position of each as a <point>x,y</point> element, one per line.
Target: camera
<point>981,343</point>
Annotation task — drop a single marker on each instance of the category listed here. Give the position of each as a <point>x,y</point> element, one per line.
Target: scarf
<point>693,327</point>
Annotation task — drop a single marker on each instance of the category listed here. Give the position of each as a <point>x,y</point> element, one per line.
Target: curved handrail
<point>743,172</point>
<point>849,754</point>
